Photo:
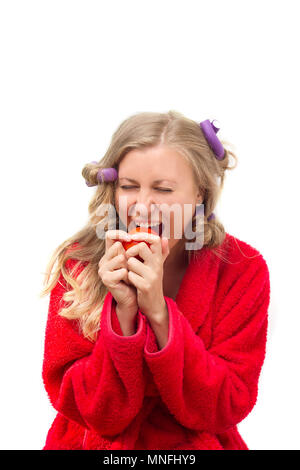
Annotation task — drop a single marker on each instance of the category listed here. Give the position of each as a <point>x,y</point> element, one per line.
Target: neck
<point>177,256</point>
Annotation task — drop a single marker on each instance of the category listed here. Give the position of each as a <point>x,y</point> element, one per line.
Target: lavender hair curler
<point>199,210</point>
<point>104,175</point>
<point>211,216</point>
<point>210,133</point>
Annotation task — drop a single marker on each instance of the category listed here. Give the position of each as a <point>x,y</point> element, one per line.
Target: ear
<point>200,195</point>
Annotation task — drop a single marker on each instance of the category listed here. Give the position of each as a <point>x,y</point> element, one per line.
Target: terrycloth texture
<point>123,393</point>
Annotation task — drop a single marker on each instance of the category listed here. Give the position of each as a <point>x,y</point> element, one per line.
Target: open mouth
<point>157,228</point>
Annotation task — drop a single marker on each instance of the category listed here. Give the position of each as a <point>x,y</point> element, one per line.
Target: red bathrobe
<point>122,392</point>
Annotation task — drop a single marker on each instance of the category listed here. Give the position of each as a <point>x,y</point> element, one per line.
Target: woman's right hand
<point>114,274</point>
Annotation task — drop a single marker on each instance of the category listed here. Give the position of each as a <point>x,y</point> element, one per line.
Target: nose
<point>143,204</point>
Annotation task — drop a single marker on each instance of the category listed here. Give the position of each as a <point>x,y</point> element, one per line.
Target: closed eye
<point>158,189</point>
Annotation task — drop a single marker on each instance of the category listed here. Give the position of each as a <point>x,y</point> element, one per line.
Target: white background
<point>71,71</point>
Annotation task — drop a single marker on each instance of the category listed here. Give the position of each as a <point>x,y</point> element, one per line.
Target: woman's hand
<point>114,274</point>
<point>147,277</point>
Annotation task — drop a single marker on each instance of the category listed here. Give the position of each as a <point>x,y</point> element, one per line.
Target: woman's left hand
<point>147,277</point>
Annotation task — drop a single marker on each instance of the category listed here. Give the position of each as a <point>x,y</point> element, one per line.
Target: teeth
<point>147,225</point>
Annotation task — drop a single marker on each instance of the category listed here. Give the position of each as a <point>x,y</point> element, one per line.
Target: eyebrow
<point>155,181</point>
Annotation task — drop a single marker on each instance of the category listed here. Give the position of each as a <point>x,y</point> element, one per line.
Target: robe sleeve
<point>98,385</point>
<point>213,389</point>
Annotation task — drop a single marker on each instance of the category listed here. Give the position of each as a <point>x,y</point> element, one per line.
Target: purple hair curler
<point>107,174</point>
<point>210,133</point>
<point>104,175</point>
<point>211,216</point>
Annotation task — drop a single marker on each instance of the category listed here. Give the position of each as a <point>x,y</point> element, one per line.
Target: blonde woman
<point>158,346</point>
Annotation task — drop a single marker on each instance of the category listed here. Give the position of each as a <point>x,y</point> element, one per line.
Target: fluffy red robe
<point>122,392</point>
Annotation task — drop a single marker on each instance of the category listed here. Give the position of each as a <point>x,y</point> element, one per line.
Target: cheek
<point>178,220</point>
<point>123,204</point>
<point>174,225</point>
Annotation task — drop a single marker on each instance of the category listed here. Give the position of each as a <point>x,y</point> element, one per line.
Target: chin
<point>173,242</point>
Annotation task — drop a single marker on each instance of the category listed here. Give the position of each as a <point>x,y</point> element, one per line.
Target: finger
<point>120,249</point>
<point>112,235</point>
<point>140,249</point>
<point>121,260</point>
<point>144,236</point>
<point>138,267</point>
<point>136,280</point>
<point>114,250</point>
<point>116,262</point>
<point>112,278</point>
<point>153,240</point>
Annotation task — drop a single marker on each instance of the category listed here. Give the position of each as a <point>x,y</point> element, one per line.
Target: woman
<point>158,346</point>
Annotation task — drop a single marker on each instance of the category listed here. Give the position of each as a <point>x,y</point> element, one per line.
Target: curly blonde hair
<point>84,301</point>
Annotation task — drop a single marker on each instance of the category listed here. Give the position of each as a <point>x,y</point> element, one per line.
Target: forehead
<point>161,164</point>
